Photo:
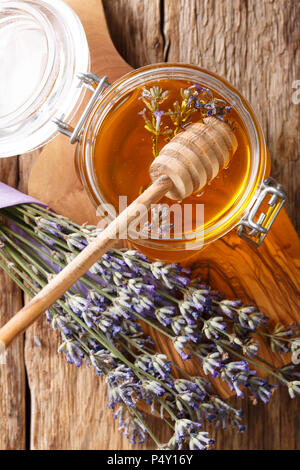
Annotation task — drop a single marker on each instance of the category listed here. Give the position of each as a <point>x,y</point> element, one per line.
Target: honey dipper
<point>184,166</point>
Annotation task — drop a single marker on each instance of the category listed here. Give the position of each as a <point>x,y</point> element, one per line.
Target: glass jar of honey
<point>115,152</point>
<point>114,149</point>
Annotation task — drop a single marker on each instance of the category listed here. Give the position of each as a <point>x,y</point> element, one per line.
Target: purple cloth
<point>11,197</point>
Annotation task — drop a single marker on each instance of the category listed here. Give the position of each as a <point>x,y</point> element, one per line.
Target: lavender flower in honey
<point>153,99</point>
<point>168,122</point>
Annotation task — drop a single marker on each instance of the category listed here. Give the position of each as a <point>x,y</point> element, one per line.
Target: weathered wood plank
<point>254,45</point>
<point>69,406</point>
<point>136,29</point>
<point>12,374</point>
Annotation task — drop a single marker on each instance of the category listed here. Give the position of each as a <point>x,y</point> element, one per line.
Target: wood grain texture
<point>253,44</point>
<point>69,406</point>
<point>136,28</point>
<point>74,270</point>
<point>70,199</point>
<point>265,276</point>
<point>12,373</point>
<point>105,60</point>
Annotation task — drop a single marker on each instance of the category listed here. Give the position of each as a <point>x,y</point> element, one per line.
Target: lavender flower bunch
<point>100,321</point>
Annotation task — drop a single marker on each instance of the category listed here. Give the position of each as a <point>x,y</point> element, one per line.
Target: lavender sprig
<point>169,122</point>
<point>99,320</point>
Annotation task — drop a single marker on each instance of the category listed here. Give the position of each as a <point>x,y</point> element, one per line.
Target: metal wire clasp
<point>96,85</point>
<point>256,231</point>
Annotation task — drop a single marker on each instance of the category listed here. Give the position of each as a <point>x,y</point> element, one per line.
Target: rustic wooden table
<point>46,404</point>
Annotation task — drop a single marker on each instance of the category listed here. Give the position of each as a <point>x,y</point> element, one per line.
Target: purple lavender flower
<point>153,387</point>
<point>158,115</point>
<point>206,412</point>
<point>103,359</point>
<point>200,441</point>
<point>260,388</point>
<point>48,315</point>
<point>122,386</point>
<point>131,427</point>
<point>75,241</point>
<point>188,312</point>
<point>250,348</point>
<point>119,415</point>
<point>52,227</point>
<point>179,343</point>
<point>108,325</point>
<point>228,307</point>
<point>97,362</point>
<point>213,326</point>
<point>203,384</point>
<point>251,318</point>
<point>130,327</point>
<point>212,364</point>
<point>171,274</point>
<point>146,93</point>
<point>165,314</point>
<point>139,286</point>
<point>63,326</point>
<point>157,365</point>
<point>77,303</point>
<point>190,393</point>
<point>143,305</point>
<point>198,387</point>
<point>191,332</point>
<point>73,352</point>
<point>44,238</point>
<point>184,428</point>
<point>201,297</point>
<point>280,336</point>
<point>144,362</point>
<point>226,414</point>
<point>235,374</point>
<point>294,388</point>
<point>161,365</point>
<point>177,324</point>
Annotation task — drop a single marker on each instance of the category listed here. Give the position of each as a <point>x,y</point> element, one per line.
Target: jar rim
<point>152,72</point>
<point>45,49</point>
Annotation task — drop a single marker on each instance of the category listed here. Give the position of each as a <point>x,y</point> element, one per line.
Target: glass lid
<point>43,48</point>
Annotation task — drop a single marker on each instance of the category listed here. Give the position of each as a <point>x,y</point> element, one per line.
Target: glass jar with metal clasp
<point>45,69</point>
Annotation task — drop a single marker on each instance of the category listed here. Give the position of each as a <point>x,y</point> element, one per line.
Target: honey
<point>123,154</point>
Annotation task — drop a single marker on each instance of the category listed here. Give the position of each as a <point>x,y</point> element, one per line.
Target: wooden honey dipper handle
<point>83,262</point>
<point>183,166</point>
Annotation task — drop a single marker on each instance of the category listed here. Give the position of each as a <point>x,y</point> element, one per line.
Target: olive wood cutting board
<point>267,276</point>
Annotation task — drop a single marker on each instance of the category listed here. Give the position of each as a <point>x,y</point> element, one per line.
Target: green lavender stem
<point>164,330</point>
<point>24,259</point>
<point>98,337</point>
<point>235,353</point>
